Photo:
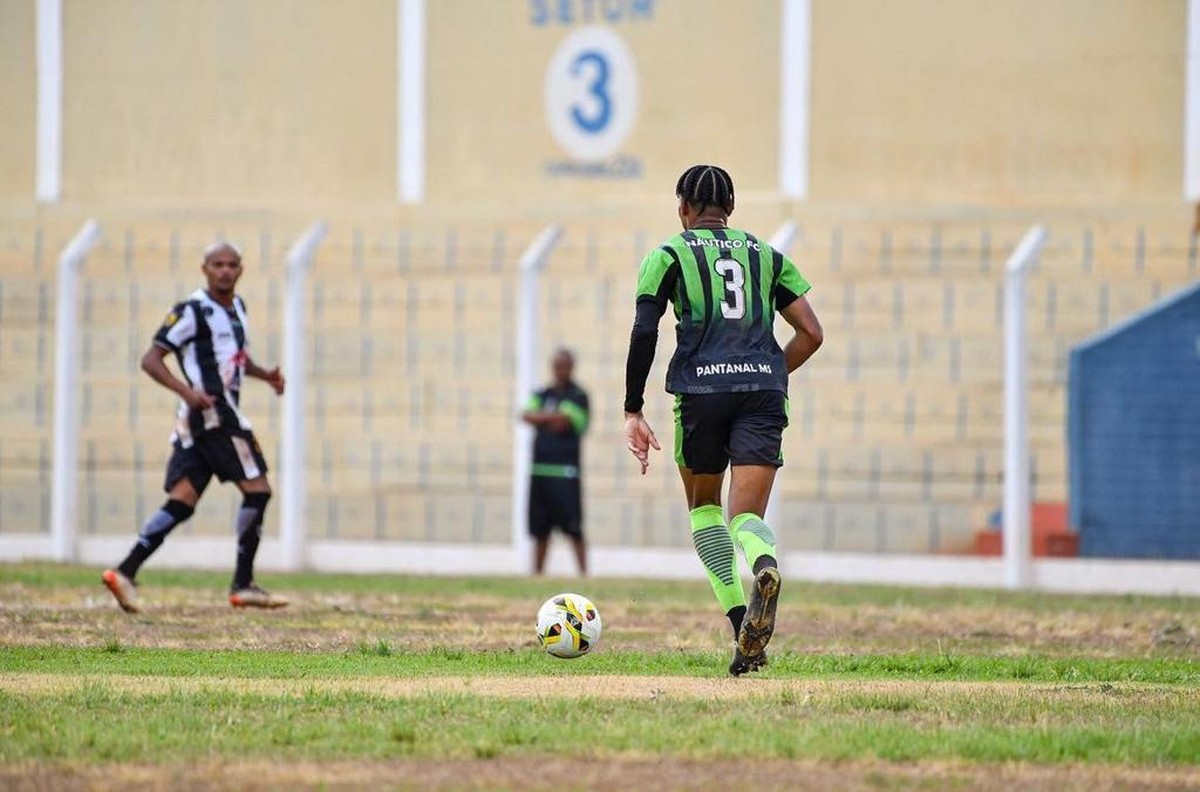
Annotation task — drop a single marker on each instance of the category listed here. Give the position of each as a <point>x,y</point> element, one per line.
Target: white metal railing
<point>294,438</point>
<point>528,357</point>
<point>64,498</point>
<point>1017,505</point>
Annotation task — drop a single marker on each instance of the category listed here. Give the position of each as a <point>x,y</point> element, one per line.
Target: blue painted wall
<point>1134,435</point>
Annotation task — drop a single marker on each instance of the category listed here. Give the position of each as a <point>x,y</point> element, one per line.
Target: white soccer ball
<point>568,625</point>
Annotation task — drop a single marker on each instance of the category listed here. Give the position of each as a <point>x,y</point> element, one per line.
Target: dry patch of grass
<point>530,774</point>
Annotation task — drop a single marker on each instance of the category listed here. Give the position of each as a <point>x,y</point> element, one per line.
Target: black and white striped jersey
<point>210,343</point>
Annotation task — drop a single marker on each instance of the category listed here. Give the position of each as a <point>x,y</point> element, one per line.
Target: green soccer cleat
<point>759,623</point>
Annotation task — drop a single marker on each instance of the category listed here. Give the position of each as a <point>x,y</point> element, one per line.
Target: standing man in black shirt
<point>559,415</point>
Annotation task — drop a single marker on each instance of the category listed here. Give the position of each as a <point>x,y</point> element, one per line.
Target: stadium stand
<point>895,442</point>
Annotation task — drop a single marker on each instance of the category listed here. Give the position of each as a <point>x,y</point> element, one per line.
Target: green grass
<point>382,659</point>
<point>98,724</point>
<point>861,673</point>
<point>633,591</point>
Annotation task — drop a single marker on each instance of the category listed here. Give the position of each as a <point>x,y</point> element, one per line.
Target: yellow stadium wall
<point>717,101</point>
<point>18,86</point>
<point>293,103</point>
<point>1064,102</point>
<point>229,102</point>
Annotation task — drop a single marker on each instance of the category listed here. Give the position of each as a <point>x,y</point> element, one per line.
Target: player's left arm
<point>793,306</point>
<point>273,377</point>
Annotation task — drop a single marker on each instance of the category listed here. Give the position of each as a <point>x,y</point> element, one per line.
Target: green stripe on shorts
<point>679,431</point>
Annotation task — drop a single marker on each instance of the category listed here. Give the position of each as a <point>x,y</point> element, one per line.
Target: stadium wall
<point>18,86</point>
<point>276,105</point>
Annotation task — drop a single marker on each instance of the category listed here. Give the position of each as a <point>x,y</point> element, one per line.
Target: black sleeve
<point>784,297</point>
<point>642,341</point>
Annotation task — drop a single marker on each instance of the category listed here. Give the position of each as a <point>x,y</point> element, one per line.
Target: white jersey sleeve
<point>178,328</point>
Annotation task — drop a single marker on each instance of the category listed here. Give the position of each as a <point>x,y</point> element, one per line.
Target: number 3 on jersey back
<point>734,304</point>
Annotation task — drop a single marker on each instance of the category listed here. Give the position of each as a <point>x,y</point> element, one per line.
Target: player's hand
<point>639,438</point>
<point>275,379</point>
<point>199,400</point>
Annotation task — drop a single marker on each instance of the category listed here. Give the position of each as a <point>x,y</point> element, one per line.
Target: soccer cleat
<point>759,623</point>
<point>255,596</point>
<point>123,590</point>
<point>742,664</point>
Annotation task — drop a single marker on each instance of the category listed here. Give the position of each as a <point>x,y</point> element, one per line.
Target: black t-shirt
<point>559,449</point>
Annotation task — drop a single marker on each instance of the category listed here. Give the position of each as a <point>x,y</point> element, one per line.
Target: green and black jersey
<point>725,286</point>
<point>556,454</point>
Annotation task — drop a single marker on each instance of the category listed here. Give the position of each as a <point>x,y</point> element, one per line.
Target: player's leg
<point>243,591</point>
<point>579,545</point>
<point>236,456</point>
<point>187,476</point>
<point>749,490</point>
<point>755,447</point>
<point>572,522</point>
<point>541,549</point>
<point>540,522</point>
<point>700,454</point>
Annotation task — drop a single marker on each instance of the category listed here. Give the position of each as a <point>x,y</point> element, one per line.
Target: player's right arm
<point>177,329</point>
<point>153,364</point>
<point>656,283</point>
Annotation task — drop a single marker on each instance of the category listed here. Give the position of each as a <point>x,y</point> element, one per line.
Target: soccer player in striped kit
<point>207,333</point>
<point>729,377</point>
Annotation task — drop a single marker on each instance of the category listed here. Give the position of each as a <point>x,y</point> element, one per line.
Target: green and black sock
<point>757,540</point>
<point>715,548</point>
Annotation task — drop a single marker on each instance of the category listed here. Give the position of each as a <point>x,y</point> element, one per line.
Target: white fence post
<point>531,264</point>
<point>293,447</point>
<point>1017,559</point>
<point>782,240</point>
<point>795,68</point>
<point>64,499</point>
<point>49,33</point>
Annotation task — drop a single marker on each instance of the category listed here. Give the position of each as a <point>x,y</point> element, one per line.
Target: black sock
<point>161,523</point>
<point>249,531</point>
<point>735,616</point>
<point>763,562</point>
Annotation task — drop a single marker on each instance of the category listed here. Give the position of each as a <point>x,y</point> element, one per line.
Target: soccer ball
<point>568,625</point>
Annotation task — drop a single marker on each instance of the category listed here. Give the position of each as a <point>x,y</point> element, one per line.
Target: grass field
<point>420,683</point>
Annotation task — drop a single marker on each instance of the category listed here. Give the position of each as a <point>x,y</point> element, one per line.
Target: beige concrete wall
<point>18,86</point>
<point>229,101</point>
<point>710,101</point>
<point>997,101</point>
<point>293,102</point>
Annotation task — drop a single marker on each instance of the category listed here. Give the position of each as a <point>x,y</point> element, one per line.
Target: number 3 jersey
<point>210,342</point>
<point>725,286</point>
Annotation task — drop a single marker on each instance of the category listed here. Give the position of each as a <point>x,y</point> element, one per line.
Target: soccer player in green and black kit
<point>729,377</point>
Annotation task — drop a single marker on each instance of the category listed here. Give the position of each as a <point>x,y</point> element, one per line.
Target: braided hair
<point>703,186</point>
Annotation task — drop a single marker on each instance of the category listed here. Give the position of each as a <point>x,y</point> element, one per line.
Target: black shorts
<point>716,430</point>
<point>555,502</point>
<point>230,454</point>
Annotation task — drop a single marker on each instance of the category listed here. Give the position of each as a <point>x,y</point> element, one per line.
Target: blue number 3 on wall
<point>591,93</point>
<point>597,88</point>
